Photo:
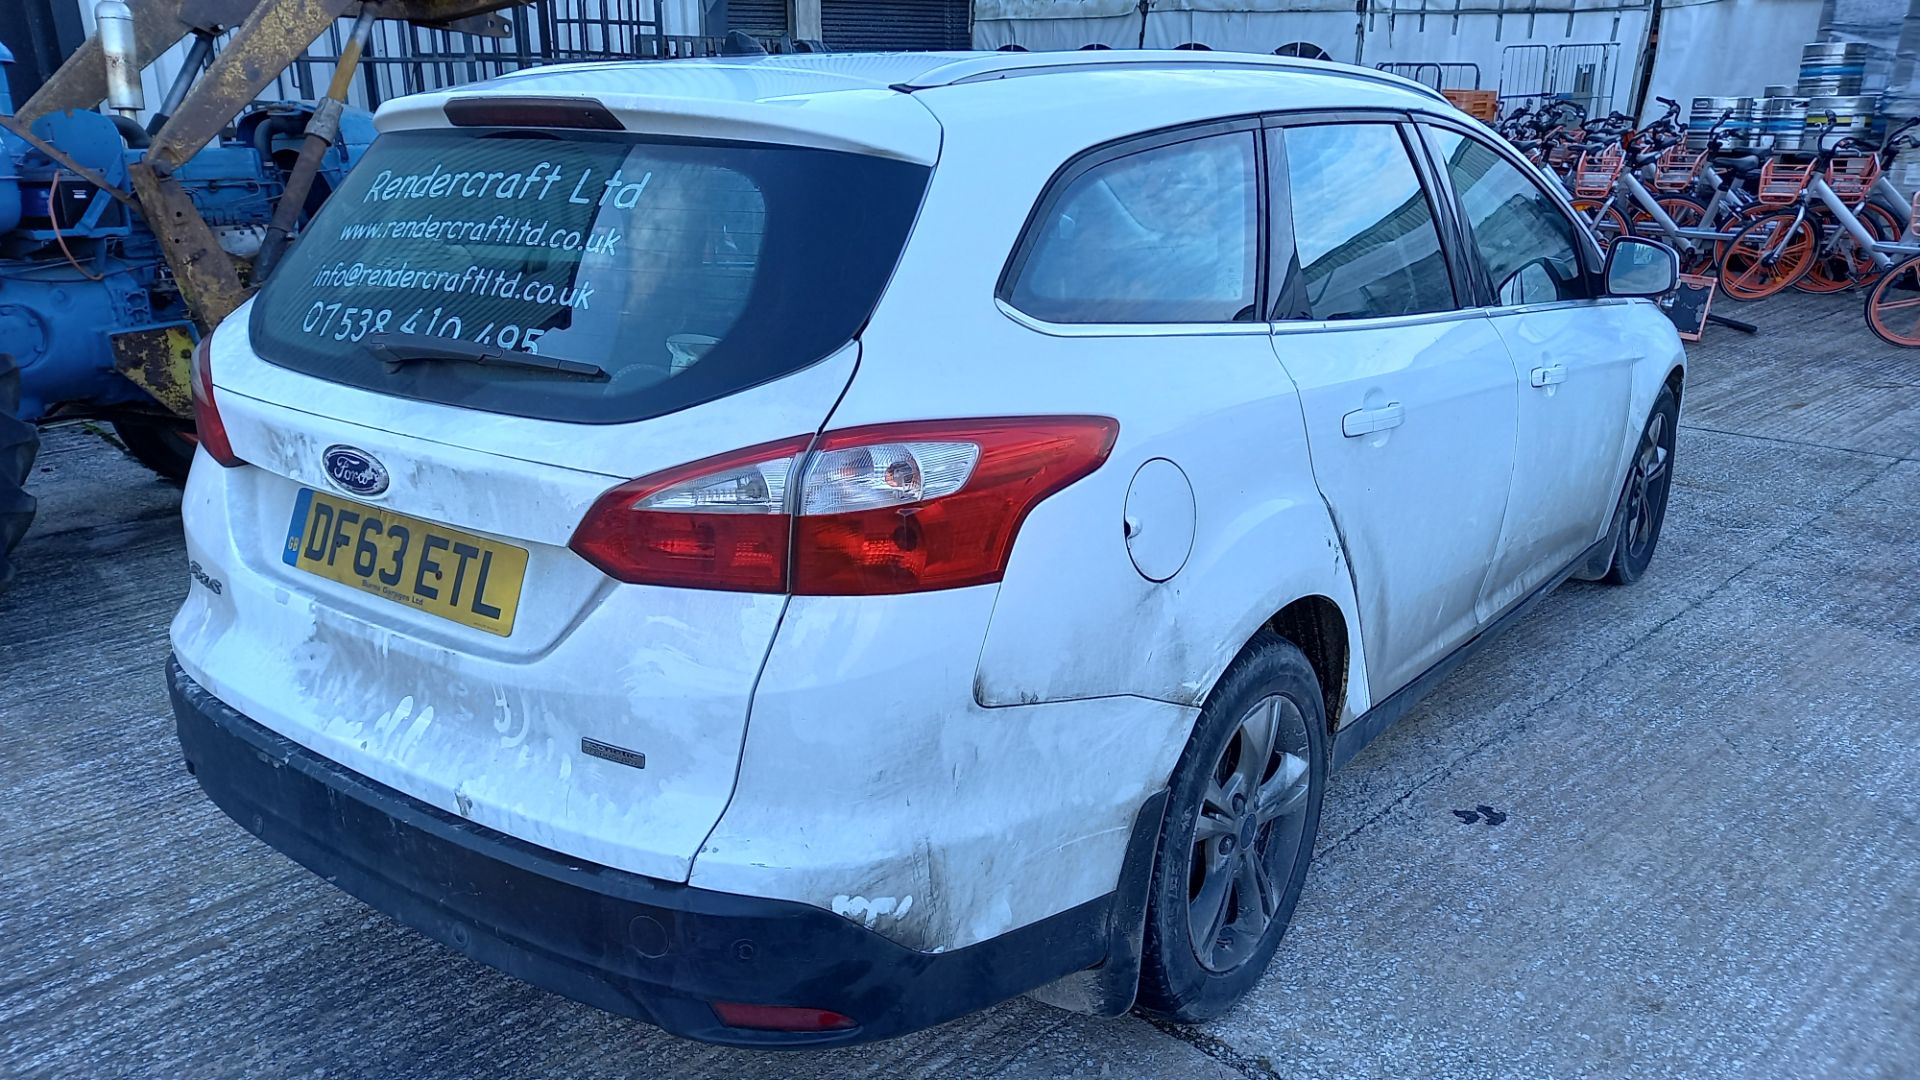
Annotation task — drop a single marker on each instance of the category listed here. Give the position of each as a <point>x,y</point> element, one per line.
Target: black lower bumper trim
<point>654,950</point>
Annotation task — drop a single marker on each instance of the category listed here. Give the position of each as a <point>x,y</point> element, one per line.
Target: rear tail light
<point>780,1017</point>
<point>910,507</point>
<point>211,431</point>
<point>719,523</point>
<point>886,509</point>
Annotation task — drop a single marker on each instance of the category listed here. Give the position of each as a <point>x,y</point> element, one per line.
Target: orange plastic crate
<point>1483,105</point>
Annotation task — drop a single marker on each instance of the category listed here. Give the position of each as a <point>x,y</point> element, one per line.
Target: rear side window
<point>1364,235</point>
<point>685,270</point>
<point>1165,235</point>
<point>1526,243</point>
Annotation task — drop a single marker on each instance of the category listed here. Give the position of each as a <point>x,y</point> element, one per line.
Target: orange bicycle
<point>1777,246</point>
<point>1893,304</point>
<point>1593,179</point>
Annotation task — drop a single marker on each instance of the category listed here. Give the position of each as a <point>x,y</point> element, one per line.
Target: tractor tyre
<point>19,446</point>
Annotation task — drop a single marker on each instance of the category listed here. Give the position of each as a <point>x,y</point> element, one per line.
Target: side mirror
<point>1637,267</point>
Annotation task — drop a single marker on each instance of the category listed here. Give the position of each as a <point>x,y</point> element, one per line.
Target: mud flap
<point>1109,987</point>
<point>1599,558</point>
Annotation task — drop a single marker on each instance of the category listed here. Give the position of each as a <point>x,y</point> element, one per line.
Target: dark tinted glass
<point>1527,245</point>
<point>688,270</point>
<point>1165,235</point>
<point>1364,235</point>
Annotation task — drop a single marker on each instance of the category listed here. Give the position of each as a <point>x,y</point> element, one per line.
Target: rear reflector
<point>209,428</point>
<point>891,508</point>
<point>780,1017</point>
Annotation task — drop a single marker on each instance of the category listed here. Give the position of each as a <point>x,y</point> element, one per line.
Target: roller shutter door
<point>867,25</point>
<point>764,18</point>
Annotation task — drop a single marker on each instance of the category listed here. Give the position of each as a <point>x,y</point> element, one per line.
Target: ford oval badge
<point>355,471</point>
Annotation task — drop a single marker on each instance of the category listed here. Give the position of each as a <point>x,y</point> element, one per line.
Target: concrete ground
<point>1707,859</point>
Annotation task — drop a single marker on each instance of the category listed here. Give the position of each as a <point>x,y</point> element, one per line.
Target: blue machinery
<point>88,304</point>
<point>99,311</point>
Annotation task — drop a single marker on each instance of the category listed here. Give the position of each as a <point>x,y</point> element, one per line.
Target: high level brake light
<point>891,508</point>
<point>209,428</point>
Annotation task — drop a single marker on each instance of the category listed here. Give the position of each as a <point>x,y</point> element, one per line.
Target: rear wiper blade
<point>398,350</point>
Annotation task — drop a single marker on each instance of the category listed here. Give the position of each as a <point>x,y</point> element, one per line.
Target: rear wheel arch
<point>1318,628</point>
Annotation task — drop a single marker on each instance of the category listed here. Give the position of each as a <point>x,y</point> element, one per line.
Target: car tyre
<point>1642,508</point>
<point>1237,839</point>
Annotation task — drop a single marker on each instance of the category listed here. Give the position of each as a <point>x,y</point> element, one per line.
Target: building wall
<point>1730,47</point>
<point>1478,32</point>
<point>1705,47</point>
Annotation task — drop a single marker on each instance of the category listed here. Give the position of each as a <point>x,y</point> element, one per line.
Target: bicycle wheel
<point>1836,257</point>
<point>1893,305</point>
<point>1608,222</point>
<point>1687,212</point>
<point>1841,263</point>
<point>1768,255</point>
<point>1733,222</point>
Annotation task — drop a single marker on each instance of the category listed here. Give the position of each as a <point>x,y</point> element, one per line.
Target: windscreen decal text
<point>512,231</point>
<point>547,211</point>
<point>346,322</point>
<point>475,280</point>
<point>618,191</point>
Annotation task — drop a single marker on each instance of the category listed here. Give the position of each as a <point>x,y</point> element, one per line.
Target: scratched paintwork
<point>490,730</point>
<point>870,773</point>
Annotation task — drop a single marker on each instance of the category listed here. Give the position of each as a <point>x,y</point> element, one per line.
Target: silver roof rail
<point>1013,64</point>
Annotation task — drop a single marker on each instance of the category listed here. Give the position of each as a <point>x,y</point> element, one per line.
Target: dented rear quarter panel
<point>872,783</point>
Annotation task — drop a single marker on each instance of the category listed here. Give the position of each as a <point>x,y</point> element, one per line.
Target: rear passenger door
<point>1529,264</point>
<point>1407,391</point>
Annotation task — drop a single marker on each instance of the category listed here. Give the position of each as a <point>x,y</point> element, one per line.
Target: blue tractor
<point>99,311</point>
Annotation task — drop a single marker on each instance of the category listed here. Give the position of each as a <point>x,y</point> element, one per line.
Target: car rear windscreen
<point>685,270</point>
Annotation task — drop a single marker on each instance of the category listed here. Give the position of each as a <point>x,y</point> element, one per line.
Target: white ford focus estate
<point>797,549</point>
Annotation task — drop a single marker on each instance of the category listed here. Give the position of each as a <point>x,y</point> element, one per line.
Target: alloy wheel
<point>1248,836</point>
<point>1647,487</point>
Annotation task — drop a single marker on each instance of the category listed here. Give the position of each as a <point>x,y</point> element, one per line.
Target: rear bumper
<point>657,951</point>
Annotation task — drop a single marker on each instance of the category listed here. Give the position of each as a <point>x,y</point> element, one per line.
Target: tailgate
<point>395,587</point>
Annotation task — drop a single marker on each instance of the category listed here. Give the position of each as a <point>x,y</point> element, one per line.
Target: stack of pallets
<point>1482,105</point>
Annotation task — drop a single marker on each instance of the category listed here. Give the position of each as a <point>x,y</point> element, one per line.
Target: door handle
<point>1549,375</point>
<point>1367,421</point>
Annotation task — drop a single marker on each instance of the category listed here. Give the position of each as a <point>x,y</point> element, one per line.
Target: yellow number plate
<point>455,575</point>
